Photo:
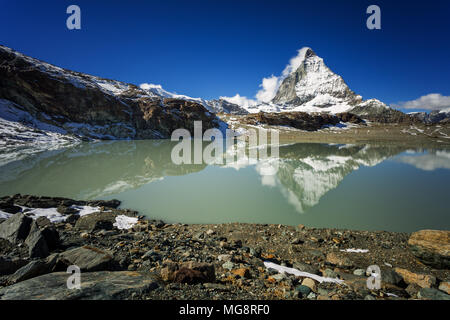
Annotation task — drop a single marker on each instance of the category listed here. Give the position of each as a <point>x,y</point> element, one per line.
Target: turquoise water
<point>365,187</point>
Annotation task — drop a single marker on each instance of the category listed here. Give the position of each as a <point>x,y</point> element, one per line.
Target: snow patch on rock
<point>125,222</point>
<point>298,273</point>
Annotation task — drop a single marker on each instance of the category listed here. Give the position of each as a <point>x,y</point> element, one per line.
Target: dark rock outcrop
<point>8,266</point>
<point>432,294</point>
<point>63,205</point>
<point>88,259</point>
<point>33,269</point>
<point>300,120</point>
<point>16,228</point>
<point>36,243</point>
<point>349,117</point>
<point>96,221</point>
<point>7,205</point>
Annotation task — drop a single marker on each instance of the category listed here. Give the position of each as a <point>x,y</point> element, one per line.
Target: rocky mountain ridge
<point>66,102</point>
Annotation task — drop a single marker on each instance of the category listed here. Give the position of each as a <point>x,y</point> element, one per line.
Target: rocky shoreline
<point>124,256</point>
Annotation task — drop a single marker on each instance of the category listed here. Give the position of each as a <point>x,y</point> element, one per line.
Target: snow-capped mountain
<point>313,87</point>
<point>313,84</point>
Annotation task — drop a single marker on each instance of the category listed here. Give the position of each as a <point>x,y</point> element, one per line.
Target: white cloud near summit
<point>295,62</point>
<point>269,86</point>
<point>240,100</point>
<point>432,101</point>
<point>269,89</point>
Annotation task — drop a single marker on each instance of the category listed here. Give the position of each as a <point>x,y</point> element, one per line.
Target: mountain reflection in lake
<point>370,187</point>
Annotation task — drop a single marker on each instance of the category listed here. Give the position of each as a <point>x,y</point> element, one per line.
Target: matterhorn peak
<point>308,52</point>
<point>297,61</point>
<point>312,85</point>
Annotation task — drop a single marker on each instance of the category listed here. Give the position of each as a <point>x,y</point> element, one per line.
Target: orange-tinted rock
<point>422,280</point>
<point>432,247</point>
<point>339,260</point>
<point>189,276</point>
<point>310,283</point>
<point>205,268</point>
<point>445,287</point>
<point>168,272</point>
<point>242,272</point>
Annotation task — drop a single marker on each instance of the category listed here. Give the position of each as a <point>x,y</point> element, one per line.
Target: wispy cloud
<point>295,62</point>
<point>240,101</point>
<point>269,86</point>
<point>432,101</point>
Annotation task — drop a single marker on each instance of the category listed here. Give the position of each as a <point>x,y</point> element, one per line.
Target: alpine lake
<point>358,186</point>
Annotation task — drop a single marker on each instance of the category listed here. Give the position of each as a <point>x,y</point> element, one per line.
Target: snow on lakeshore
<point>125,222</point>
<point>298,273</point>
<point>54,216</point>
<point>5,215</point>
<point>355,250</point>
<point>51,213</point>
<point>122,221</point>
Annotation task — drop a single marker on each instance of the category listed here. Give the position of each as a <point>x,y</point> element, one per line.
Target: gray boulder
<point>388,275</point>
<point>96,221</point>
<point>33,269</point>
<point>305,267</point>
<point>88,259</point>
<point>37,246</point>
<point>432,294</point>
<point>8,266</point>
<point>15,228</point>
<point>7,205</point>
<point>102,285</point>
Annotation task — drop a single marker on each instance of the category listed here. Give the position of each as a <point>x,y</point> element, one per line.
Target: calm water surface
<point>366,187</point>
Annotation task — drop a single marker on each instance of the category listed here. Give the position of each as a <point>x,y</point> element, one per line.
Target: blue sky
<point>212,48</point>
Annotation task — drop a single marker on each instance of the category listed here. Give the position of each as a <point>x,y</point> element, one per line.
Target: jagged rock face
<point>311,80</point>
<point>93,107</point>
<point>174,114</point>
<point>220,105</point>
<point>300,120</point>
<point>349,117</point>
<point>432,117</point>
<point>376,111</point>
